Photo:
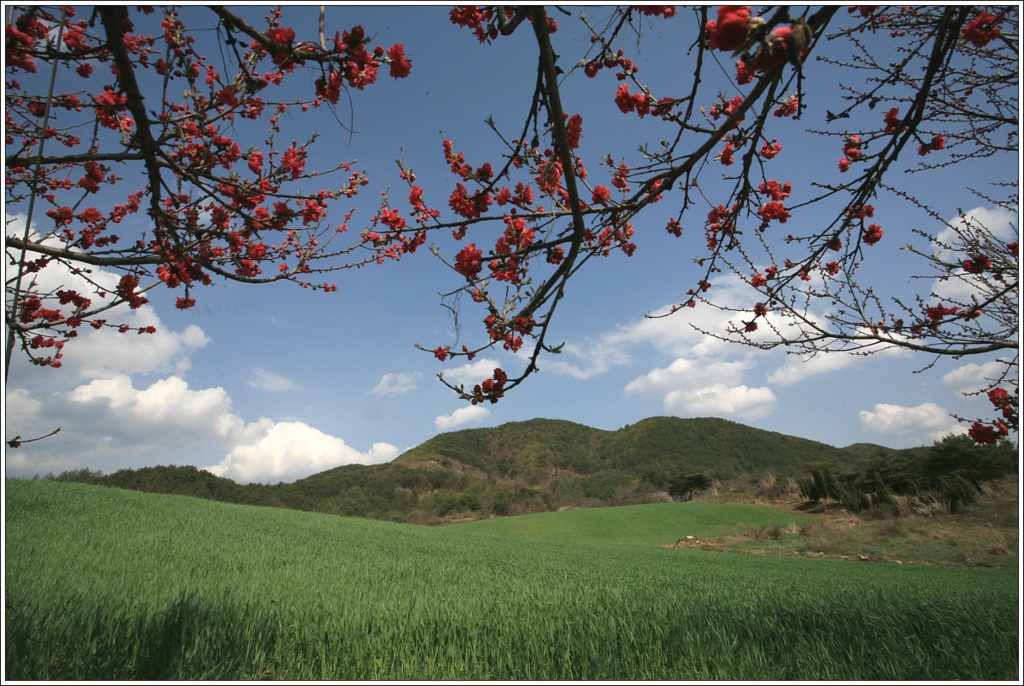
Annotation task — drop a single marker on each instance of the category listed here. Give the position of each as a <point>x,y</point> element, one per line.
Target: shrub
<point>501,505</point>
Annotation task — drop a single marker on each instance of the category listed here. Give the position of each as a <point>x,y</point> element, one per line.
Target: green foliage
<point>821,483</point>
<point>951,472</point>
<point>682,485</point>
<point>469,501</point>
<point>959,456</point>
<point>500,506</point>
<point>172,588</point>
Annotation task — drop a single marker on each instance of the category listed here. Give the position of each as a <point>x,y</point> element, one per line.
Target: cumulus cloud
<point>997,220</point>
<point>105,353</point>
<point>690,373</point>
<point>292,450</point>
<point>472,373</point>
<point>681,334</point>
<point>926,420</point>
<point>597,357</point>
<point>800,367</point>
<point>973,377</point>
<point>396,384</point>
<point>470,413</point>
<point>109,424</point>
<point>963,287</point>
<point>721,400</point>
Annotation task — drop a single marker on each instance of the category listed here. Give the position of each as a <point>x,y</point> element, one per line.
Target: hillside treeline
<point>532,466</point>
<point>948,476</point>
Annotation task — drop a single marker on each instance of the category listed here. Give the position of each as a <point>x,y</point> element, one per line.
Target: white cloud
<point>20,407</point>
<point>721,400</point>
<point>474,413</point>
<point>926,420</point>
<point>690,373</point>
<point>680,334</point>
<point>292,450</point>
<point>472,373</point>
<point>597,356</point>
<point>799,368</point>
<point>997,220</point>
<point>973,377</point>
<point>108,424</point>
<point>105,353</point>
<point>268,381</point>
<point>396,384</point>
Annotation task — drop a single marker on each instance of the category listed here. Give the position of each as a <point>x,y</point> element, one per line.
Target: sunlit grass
<point>112,584</point>
<point>651,524</point>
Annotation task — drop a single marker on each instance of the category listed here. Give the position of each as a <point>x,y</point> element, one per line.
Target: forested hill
<point>655,446</point>
<point>518,467</point>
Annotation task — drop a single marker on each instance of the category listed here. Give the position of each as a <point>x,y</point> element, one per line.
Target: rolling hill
<point>519,467</point>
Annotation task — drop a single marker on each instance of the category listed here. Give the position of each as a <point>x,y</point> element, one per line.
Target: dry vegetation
<point>986,535</point>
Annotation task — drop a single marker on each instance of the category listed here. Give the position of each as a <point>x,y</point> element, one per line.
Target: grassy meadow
<point>651,524</point>
<point>108,584</point>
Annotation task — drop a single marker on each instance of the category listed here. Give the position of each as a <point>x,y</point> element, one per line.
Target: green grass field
<point>112,584</point>
<point>653,524</point>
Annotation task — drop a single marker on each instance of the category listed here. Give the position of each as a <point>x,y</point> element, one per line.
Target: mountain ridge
<point>517,467</point>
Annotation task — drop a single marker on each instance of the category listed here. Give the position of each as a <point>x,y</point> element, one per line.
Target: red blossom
<point>774,210</point>
<point>256,162</point>
<point>775,191</point>
<point>730,31</point>
<point>982,29</point>
<point>987,435</point>
<point>574,131</point>
<point>294,162</point>
<point>938,143</point>
<point>744,72</point>
<point>770,150</point>
<point>892,120</point>
<point>467,262</point>
<point>666,11</point>
<point>861,211</point>
<point>726,155</point>
<point>491,389</point>
<point>977,264</point>
<point>938,312</point>
<point>601,195</point>
<point>400,64</point>
<point>789,108</point>
<point>872,234</point>
<point>281,35</point>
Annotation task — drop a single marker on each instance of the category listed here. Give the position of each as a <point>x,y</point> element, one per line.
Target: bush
<point>469,501</point>
<point>501,505</point>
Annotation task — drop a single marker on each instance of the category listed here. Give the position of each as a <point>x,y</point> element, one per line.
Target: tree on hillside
<point>223,197</point>
<point>683,486</point>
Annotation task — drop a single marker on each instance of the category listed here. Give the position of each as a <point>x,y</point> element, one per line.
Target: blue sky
<point>272,383</point>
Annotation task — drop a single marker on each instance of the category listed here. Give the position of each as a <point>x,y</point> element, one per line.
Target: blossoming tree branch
<point>222,192</point>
